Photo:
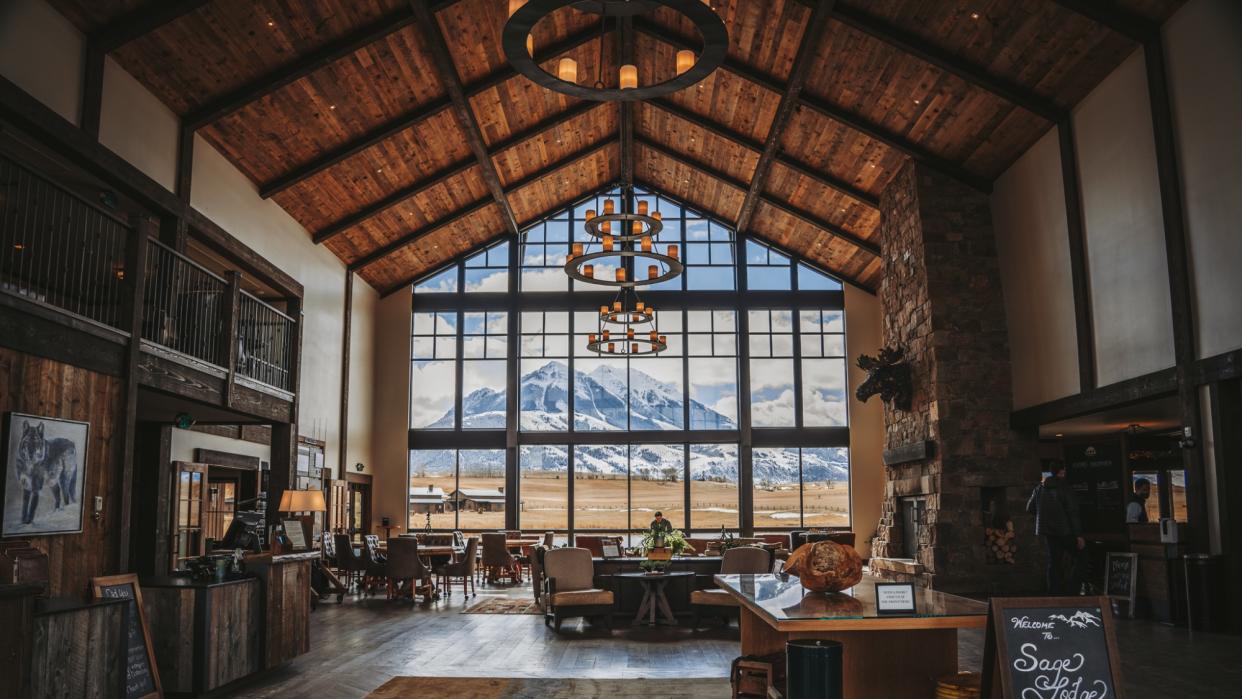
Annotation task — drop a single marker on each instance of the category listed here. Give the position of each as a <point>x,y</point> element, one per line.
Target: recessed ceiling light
<point>1060,435</point>
<point>871,164</point>
<point>974,15</point>
<point>916,102</point>
<point>270,23</point>
<point>332,107</point>
<point>379,169</point>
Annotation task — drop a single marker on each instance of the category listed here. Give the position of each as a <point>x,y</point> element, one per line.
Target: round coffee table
<point>653,596</point>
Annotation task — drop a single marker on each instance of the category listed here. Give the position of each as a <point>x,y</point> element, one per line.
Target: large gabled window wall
<point>741,423</point>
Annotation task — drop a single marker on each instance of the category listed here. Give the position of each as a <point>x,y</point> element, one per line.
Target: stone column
<point>942,303</point>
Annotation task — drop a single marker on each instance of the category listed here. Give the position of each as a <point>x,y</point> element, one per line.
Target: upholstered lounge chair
<point>716,602</point>
<point>568,589</point>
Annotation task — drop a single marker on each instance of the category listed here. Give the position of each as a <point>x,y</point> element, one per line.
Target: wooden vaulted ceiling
<point>397,134</point>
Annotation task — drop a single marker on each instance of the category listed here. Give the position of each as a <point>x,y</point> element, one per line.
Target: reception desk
<point>892,656</point>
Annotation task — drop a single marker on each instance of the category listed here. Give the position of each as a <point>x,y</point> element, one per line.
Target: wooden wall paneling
<point>826,145</point>
<point>735,102</point>
<point>49,388</point>
<point>79,650</point>
<point>171,615</point>
<point>720,197</point>
<point>17,606</point>
<point>555,168</point>
<point>116,26</point>
<point>792,232</point>
<point>763,34</point>
<point>428,252</point>
<point>35,329</point>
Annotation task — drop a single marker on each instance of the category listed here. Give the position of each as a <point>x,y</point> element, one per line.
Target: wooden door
<point>189,498</point>
<point>338,505</point>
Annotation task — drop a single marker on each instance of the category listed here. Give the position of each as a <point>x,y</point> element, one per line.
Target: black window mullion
<point>459,369</point>
<point>796,319</point>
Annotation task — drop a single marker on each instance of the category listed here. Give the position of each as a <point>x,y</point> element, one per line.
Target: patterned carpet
<point>497,688</point>
<point>504,605</point>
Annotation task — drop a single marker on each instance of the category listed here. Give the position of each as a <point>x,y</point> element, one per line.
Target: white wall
<point>1126,262</point>
<point>1032,241</point>
<point>137,126</point>
<point>864,329</point>
<point>184,442</point>
<point>391,420</point>
<point>41,52</point>
<point>1203,57</point>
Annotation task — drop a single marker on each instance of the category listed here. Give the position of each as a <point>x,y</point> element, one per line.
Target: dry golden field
<point>601,504</point>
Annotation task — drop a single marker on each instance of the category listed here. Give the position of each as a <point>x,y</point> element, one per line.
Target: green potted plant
<point>673,540</point>
<point>654,567</point>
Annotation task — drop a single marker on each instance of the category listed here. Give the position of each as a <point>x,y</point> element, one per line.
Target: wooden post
<point>346,332</point>
<point>136,280</point>
<point>281,476</point>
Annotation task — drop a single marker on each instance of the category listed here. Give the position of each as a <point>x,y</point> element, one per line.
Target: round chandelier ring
<point>626,318</point>
<point>649,347</point>
<point>654,226</point>
<point>573,268</point>
<point>710,27</point>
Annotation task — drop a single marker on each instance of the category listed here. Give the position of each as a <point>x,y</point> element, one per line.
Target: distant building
<point>429,499</point>
<point>479,499</point>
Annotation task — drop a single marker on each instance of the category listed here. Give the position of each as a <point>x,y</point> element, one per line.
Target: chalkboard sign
<point>1121,578</point>
<point>1051,647</point>
<point>142,678</point>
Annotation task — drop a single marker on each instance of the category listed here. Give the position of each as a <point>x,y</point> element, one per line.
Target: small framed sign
<point>296,534</point>
<point>1121,577</point>
<point>895,598</point>
<point>612,551</point>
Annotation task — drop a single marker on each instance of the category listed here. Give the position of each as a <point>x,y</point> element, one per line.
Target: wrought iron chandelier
<point>519,48</point>
<point>628,326</point>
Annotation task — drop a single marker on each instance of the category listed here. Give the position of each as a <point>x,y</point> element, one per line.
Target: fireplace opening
<point>998,537</point>
<point>913,519</point>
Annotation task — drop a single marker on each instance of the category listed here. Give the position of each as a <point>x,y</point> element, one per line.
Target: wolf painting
<point>43,481</point>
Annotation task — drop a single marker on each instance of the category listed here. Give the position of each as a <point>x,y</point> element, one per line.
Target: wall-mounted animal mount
<point>888,374</point>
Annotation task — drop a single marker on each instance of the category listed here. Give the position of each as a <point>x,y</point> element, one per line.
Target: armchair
<point>568,590</point>
<point>717,602</point>
<point>405,567</point>
<point>462,569</point>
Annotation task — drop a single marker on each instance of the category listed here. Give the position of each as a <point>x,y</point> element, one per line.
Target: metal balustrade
<point>265,337</point>
<point>183,308</point>
<point>59,249</point>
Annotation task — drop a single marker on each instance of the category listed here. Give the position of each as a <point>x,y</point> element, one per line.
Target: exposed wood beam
<point>807,217</point>
<point>375,208</point>
<point>143,21</point>
<point>538,129</point>
<point>564,162</point>
<point>895,141</point>
<point>542,55</point>
<point>948,62</point>
<point>434,40</point>
<point>301,67</point>
<point>92,88</point>
<point>1128,25</point>
<point>346,150</point>
<point>725,132</point>
<point>784,110</point>
<point>416,235</point>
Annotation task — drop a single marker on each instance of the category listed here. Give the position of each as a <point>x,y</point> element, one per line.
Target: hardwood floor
<point>361,643</point>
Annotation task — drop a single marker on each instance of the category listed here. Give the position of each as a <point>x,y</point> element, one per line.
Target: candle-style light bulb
<point>685,60</point>
<point>629,334</point>
<point>655,336</point>
<point>642,207</point>
<point>612,347</point>
<point>645,243</point>
<point>577,248</point>
<point>606,334</point>
<point>588,271</point>
<point>628,76</point>
<point>567,70</point>
<point>636,228</point>
<point>616,306</point>
<point>605,227</point>
<point>590,214</point>
<point>672,251</point>
<point>664,339</point>
<point>620,274</point>
<point>657,215</point>
<point>607,243</point>
<point>609,206</point>
<point>640,305</point>
<point>652,271</point>
<point>591,339</point>
<point>633,348</point>
<point>603,310</point>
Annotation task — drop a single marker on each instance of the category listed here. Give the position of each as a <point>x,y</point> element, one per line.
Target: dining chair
<point>405,567</point>
<point>347,559</point>
<point>497,560</point>
<point>741,560</point>
<point>462,570</point>
<point>375,563</point>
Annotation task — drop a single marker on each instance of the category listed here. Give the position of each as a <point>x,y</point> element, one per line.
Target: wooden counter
<point>78,649</point>
<point>884,656</point>
<point>287,596</point>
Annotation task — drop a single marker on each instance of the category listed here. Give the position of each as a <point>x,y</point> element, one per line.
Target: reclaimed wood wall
<point>39,386</point>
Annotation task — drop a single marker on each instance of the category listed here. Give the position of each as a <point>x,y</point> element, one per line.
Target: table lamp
<point>305,503</point>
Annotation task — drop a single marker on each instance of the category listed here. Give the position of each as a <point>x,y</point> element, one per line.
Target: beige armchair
<point>737,561</point>
<point>568,589</point>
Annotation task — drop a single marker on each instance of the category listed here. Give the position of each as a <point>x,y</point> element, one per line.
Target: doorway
<point>359,505</point>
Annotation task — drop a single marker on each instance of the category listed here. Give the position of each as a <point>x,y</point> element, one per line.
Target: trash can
<point>813,669</point>
<point>1205,592</point>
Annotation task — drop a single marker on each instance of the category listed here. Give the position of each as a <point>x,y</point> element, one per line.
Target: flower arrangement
<point>674,540</point>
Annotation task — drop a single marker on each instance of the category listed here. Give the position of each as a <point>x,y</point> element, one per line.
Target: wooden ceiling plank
<point>543,55</point>
<point>1128,25</point>
<point>784,111</point>
<point>948,62</point>
<point>375,208</point>
<point>416,235</point>
<point>351,148</point>
<point>725,132</point>
<point>807,217</point>
<point>300,68</point>
<point>568,160</point>
<point>433,38</point>
<point>738,68</point>
<point>142,21</point>
<point>626,39</point>
<point>896,142</point>
<point>543,127</point>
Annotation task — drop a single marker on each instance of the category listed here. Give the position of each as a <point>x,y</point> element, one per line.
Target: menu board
<point>1050,648</point>
<point>142,679</point>
<point>1094,475</point>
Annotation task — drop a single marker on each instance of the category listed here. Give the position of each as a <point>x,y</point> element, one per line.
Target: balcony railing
<point>265,338</point>
<point>61,250</point>
<point>183,308</point>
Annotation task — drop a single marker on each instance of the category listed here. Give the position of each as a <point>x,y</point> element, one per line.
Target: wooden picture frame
<point>610,551</point>
<point>996,681</point>
<point>35,501</point>
<point>99,590</point>
<point>1131,585</point>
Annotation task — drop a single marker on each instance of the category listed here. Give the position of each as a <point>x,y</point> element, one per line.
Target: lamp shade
<point>302,501</point>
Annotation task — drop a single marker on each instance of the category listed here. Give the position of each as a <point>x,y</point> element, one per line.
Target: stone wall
<point>942,302</point>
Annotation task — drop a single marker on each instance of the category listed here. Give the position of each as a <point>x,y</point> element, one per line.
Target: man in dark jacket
<point>1057,523</point>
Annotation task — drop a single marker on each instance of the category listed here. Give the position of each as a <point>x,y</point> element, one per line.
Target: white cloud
<point>777,412</point>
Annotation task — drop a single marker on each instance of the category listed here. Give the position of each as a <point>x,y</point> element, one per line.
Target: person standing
<point>1136,509</point>
<point>1058,525</point>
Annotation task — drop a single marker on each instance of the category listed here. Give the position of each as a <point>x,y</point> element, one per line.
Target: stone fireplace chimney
<point>942,303</point>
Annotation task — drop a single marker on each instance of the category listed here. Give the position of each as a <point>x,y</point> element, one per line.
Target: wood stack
<point>963,685</point>
<point>1000,543</point>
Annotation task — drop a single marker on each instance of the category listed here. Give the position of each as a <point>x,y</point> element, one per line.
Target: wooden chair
<point>404,567</point>
<point>497,561</point>
<point>463,570</point>
<point>349,561</point>
<point>569,589</point>
<point>716,602</point>
<point>375,564</point>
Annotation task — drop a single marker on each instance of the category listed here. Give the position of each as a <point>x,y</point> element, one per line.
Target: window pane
<point>487,280</point>
<point>601,390</point>
<point>771,393</point>
<point>483,394</point>
<point>544,487</point>
<point>480,497</point>
<point>657,472</point>
<point>1177,490</point>
<point>544,279</point>
<point>826,487</point>
<point>432,393</point>
<point>823,393</point>
<point>433,475</point>
<point>777,498</point>
<point>657,397</point>
<point>768,278</point>
<point>443,283</point>
<point>713,394</point>
<point>545,395</point>
<point>600,484</point>
<point>713,487</point>
<point>812,280</point>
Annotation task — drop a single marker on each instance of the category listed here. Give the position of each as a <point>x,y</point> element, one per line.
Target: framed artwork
<point>44,475</point>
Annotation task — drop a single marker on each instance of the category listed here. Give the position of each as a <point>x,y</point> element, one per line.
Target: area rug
<point>504,605</point>
<point>506,688</point>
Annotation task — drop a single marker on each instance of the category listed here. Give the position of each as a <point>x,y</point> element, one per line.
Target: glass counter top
<point>787,600</point>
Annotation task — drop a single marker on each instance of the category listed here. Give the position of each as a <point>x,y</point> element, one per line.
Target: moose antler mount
<point>888,374</point>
